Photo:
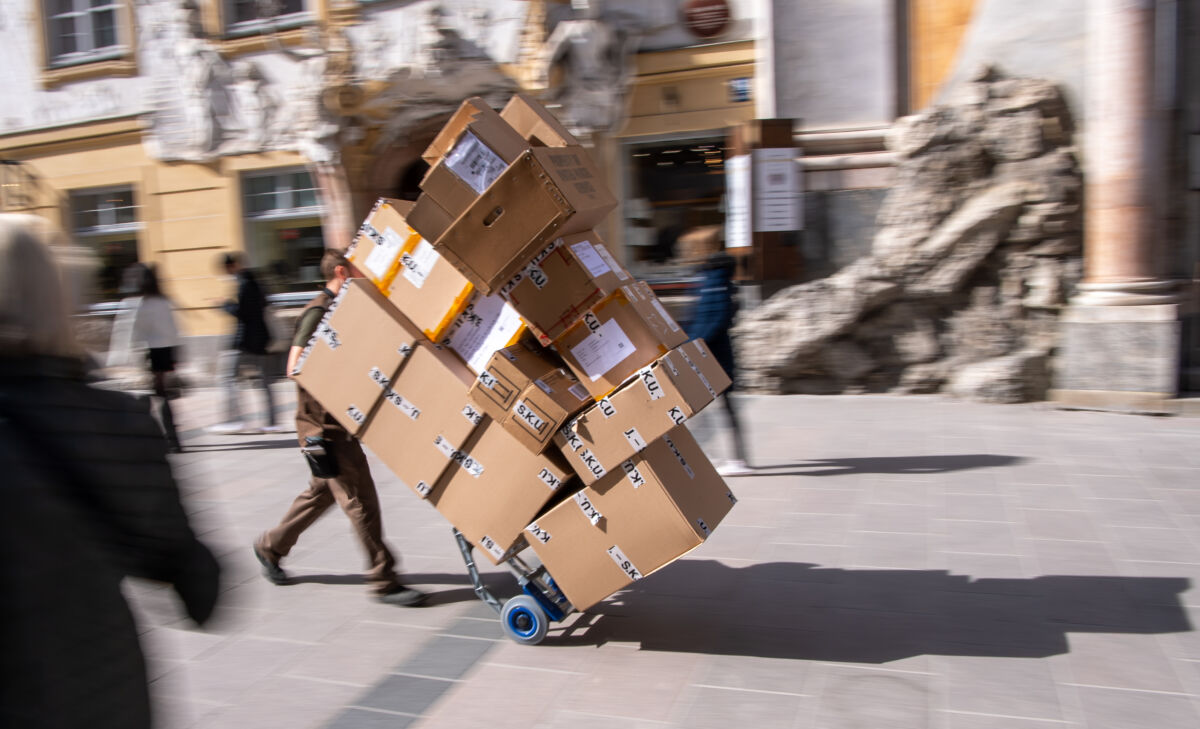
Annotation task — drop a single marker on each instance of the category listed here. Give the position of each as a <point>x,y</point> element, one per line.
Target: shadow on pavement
<point>802,611</point>
<point>500,584</point>
<point>893,465</point>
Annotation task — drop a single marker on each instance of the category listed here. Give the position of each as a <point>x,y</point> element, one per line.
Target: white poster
<point>737,202</point>
<point>777,190</point>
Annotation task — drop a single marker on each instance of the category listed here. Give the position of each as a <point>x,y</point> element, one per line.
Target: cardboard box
<point>529,392</point>
<point>478,118</point>
<point>535,123</point>
<point>570,275</point>
<point>626,331</point>
<point>497,488</point>
<point>430,219</point>
<point>355,351</point>
<point>482,326</point>
<point>660,397</point>
<point>424,417</point>
<point>406,268</point>
<point>655,507</point>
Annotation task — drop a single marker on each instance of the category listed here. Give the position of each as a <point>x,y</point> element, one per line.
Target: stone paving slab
<point>899,562</point>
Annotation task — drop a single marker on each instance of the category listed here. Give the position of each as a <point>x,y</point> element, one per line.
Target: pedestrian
<point>251,338</point>
<point>711,318</point>
<point>339,469</point>
<point>154,327</point>
<point>89,499</point>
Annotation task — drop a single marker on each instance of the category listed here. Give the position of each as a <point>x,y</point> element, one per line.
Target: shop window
<point>107,221</point>
<point>284,240</point>
<point>78,31</point>
<point>678,187</point>
<point>244,17</point>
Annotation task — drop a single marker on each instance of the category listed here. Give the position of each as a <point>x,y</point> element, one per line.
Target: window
<point>106,220</point>
<point>254,16</point>
<point>82,30</point>
<point>283,228</point>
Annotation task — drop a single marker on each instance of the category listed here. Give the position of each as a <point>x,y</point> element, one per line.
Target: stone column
<point>1120,346</point>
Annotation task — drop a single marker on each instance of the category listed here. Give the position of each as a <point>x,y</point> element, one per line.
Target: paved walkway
<point>897,562</point>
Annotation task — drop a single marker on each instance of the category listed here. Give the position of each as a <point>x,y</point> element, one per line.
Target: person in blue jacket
<point>711,317</point>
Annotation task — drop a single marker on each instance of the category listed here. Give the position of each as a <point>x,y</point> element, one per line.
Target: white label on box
<point>605,348</point>
<point>732,498</point>
<point>623,562</point>
<point>591,462</point>
<point>579,391</point>
<point>536,275</point>
<point>651,382</point>
<point>703,380</point>
<point>422,488</point>
<point>470,465</point>
<point>402,404</point>
<point>404,350</point>
<point>380,259</point>
<point>635,439</point>
<point>475,163</point>
<point>356,415</point>
<point>545,252</point>
<point>538,533</point>
<point>663,313</point>
<point>328,335</point>
<point>472,415</point>
<point>492,548</point>
<point>588,508</point>
<point>591,260</point>
<point>528,416</point>
<point>591,321</point>
<point>486,325</point>
<point>677,415</point>
<point>568,434</point>
<point>487,380</point>
<point>635,477</point>
<point>550,479</point>
<point>622,274</point>
<point>679,456</point>
<point>700,347</point>
<point>379,378</point>
<point>418,263</point>
<point>670,365</point>
<point>605,406</point>
<point>703,527</point>
<point>543,386</point>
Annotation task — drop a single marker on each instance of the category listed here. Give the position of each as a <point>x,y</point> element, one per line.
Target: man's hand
<point>293,358</point>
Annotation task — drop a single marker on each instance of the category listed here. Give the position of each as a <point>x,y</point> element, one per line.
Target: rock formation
<point>978,247</point>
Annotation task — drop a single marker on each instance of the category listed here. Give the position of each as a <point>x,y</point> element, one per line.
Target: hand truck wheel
<point>524,620</point>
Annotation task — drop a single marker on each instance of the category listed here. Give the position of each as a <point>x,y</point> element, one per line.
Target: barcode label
<point>624,563</point>
<point>492,548</point>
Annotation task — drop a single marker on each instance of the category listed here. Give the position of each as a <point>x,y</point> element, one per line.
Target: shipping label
<point>418,263</point>
<point>622,274</point>
<point>605,348</point>
<point>549,479</point>
<point>588,508</point>
<point>586,253</point>
<point>529,417</point>
<point>474,162</point>
<point>605,406</point>
<point>402,404</point>
<point>624,563</point>
<point>646,375</point>
<point>679,457</point>
<point>635,476</point>
<point>492,548</point>
<point>387,246</point>
<point>635,439</point>
<point>538,533</point>
<point>356,415</point>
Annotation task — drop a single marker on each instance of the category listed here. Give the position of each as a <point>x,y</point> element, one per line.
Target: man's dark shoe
<point>402,596</point>
<point>271,569</point>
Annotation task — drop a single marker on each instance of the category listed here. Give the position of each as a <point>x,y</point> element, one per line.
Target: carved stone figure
<point>585,64</point>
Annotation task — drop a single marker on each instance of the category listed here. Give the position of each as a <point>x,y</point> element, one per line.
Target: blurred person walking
<point>89,498</point>
<point>339,469</point>
<point>251,338</point>
<point>711,317</point>
<point>153,326</point>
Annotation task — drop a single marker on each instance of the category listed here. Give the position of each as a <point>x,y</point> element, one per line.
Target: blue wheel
<point>524,620</point>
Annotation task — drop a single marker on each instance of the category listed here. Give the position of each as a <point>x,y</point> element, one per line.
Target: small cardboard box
<point>570,275</point>
<point>355,351</point>
<point>528,391</point>
<point>424,417</point>
<point>497,488</point>
<point>407,269</point>
<point>626,331</point>
<point>660,397</point>
<point>655,507</point>
<point>483,325</point>
<point>535,123</point>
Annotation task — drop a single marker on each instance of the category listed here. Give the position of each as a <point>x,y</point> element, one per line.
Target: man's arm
<point>293,357</point>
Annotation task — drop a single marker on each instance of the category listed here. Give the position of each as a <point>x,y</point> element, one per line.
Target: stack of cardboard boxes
<point>510,372</point>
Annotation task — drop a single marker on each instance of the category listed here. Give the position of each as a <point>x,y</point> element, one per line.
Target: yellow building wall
<point>936,29</point>
<point>190,213</point>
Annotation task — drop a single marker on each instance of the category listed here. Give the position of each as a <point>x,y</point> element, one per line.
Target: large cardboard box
<point>529,392</point>
<point>354,353</point>
<point>424,418</point>
<point>482,326</point>
<point>660,397</point>
<point>497,488</point>
<point>425,287</point>
<point>652,509</point>
<point>570,275</point>
<point>626,331</point>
